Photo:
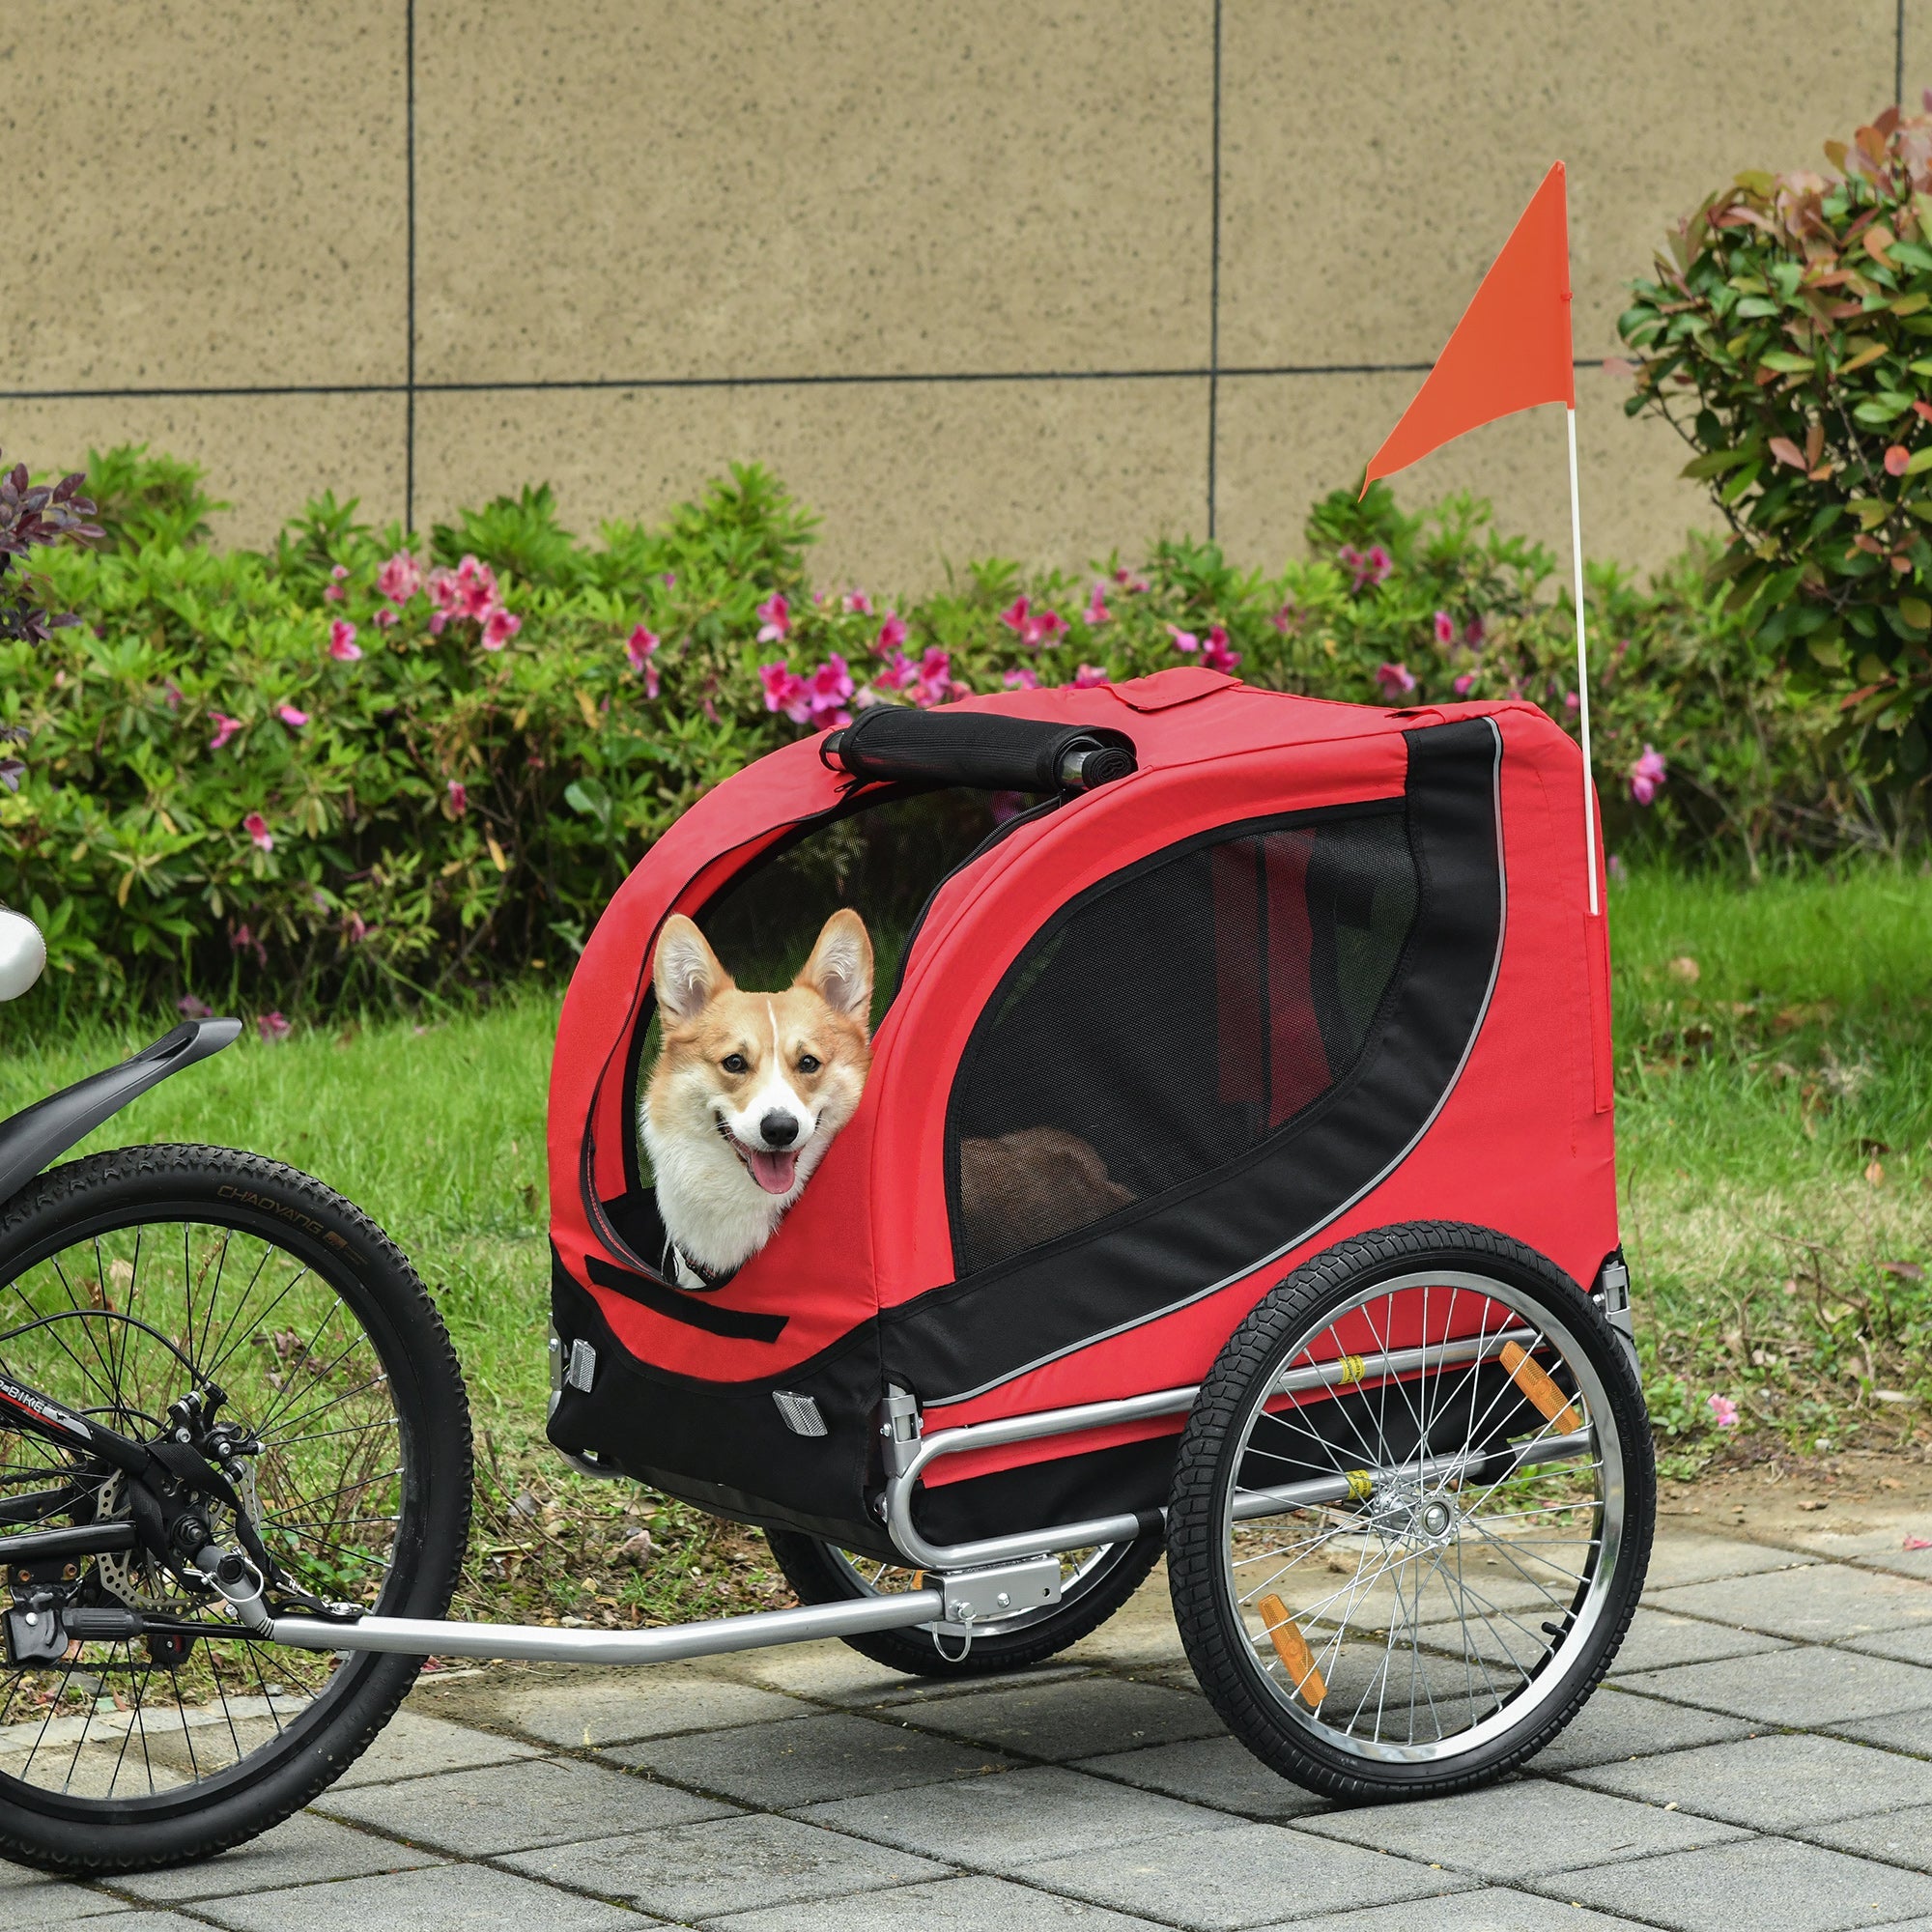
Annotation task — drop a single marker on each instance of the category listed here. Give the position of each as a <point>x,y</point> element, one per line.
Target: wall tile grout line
<point>409,351</point>
<point>1214,284</point>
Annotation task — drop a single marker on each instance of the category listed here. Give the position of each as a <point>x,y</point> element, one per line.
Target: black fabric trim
<point>1160,1255</point>
<point>739,1324</point>
<point>1065,1489</point>
<point>724,1445</point>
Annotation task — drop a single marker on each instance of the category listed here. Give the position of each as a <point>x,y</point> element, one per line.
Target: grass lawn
<point>1775,1061</point>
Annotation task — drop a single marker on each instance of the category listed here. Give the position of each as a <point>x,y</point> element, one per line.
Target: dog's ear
<point>839,970</point>
<point>686,971</point>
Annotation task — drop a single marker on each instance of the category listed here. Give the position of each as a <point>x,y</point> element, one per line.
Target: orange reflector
<point>1291,1647</point>
<point>1540,1389</point>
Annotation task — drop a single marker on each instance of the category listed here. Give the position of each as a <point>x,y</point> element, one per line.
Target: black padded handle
<point>987,750</point>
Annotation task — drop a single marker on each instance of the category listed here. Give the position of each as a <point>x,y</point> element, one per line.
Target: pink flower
<point>1570,701</point>
<point>257,828</point>
<point>295,720</point>
<point>1089,676</point>
<point>638,646</point>
<point>444,594</point>
<point>1368,569</point>
<point>1025,678</point>
<point>333,595</point>
<point>897,674</point>
<point>857,603</point>
<point>459,798</point>
<point>1283,618</point>
<point>785,691</point>
<point>1461,686</point>
<point>1043,627</point>
<point>830,689</point>
<point>1183,640</point>
<point>272,1027</point>
<point>1015,616</point>
<point>1446,629</point>
<point>400,579</point>
<point>1723,1411</point>
<point>1648,775</point>
<point>353,928</point>
<point>1129,582</point>
<point>171,690</point>
<point>1097,613</point>
<point>225,728</point>
<point>476,589</point>
<point>1473,633</point>
<point>191,1008</point>
<point>936,682</point>
<point>777,613</point>
<point>342,644</point>
<point>499,628</point>
<point>1397,680</point>
<point>1216,655</point>
<point>892,634</point>
<point>1619,873</point>
<point>384,618</point>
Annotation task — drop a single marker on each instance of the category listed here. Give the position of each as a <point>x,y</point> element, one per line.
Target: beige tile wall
<point>951,269</point>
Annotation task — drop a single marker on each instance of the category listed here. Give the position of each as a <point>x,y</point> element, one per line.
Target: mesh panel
<point>1167,1021</point>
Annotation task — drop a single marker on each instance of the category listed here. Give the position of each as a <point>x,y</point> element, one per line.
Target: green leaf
<point>1784,361</point>
<point>1717,460</point>
<point>1828,652</point>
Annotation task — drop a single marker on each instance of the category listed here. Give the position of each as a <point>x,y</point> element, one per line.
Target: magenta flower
<point>1129,582</point>
<point>446,595</point>
<point>777,613</point>
<point>831,690</point>
<point>1024,678</point>
<point>1097,613</point>
<point>1089,676</point>
<point>1283,618</point>
<point>1217,655</point>
<point>225,728</point>
<point>334,593</point>
<point>1446,629</point>
<point>191,1008</point>
<point>1472,631</point>
<point>638,646</point>
<point>295,720</point>
<point>400,579</point>
<point>892,634</point>
<point>1723,1411</point>
<point>1648,775</point>
<point>1043,627</point>
<point>499,628</point>
<point>272,1027</point>
<point>1369,568</point>
<point>476,589</point>
<point>257,828</point>
<point>1015,616</point>
<point>459,798</point>
<point>936,682</point>
<point>342,644</point>
<point>785,691</point>
<point>353,928</point>
<point>1461,686</point>
<point>857,603</point>
<point>1183,640</point>
<point>1397,680</point>
<point>171,690</point>
<point>897,675</point>
<point>1571,701</point>
<point>384,618</point>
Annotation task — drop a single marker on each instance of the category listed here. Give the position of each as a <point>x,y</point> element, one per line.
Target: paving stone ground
<point>1761,1758</point>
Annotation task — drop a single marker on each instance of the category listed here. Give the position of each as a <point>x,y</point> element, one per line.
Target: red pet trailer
<point>1234,1182</point>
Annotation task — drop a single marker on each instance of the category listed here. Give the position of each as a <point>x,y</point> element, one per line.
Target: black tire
<point>821,1573</point>
<point>1405,1479</point>
<point>84,1322</point>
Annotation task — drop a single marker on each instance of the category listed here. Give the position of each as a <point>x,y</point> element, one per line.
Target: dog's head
<point>772,1075</point>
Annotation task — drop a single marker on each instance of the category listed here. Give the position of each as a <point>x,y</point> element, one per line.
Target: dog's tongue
<point>773,1172</point>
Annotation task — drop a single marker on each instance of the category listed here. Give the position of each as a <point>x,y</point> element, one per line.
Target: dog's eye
<point>735,1062</point>
<point>808,1062</point>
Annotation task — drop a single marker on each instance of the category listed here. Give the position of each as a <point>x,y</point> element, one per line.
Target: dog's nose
<point>778,1130</point>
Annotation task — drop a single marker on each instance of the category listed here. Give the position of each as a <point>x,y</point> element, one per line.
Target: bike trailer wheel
<point>132,1280</point>
<point>1094,1584</point>
<point>1412,1514</point>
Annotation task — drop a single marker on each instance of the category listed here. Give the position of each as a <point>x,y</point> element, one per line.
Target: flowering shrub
<point>1788,337</point>
<point>355,766</point>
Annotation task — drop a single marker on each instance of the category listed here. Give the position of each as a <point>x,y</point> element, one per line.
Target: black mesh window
<point>1169,1019</point>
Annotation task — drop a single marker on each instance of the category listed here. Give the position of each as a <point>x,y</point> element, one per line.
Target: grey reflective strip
<point>800,1412</point>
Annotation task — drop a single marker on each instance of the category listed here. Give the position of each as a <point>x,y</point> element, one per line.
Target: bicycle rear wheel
<point>127,1282</point>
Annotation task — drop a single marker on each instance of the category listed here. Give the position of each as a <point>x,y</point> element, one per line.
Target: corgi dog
<point>748,1089</point>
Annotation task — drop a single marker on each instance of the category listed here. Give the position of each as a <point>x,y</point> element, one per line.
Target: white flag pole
<point>1583,671</point>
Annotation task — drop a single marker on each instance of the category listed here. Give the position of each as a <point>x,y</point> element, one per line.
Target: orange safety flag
<point>1512,349</point>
